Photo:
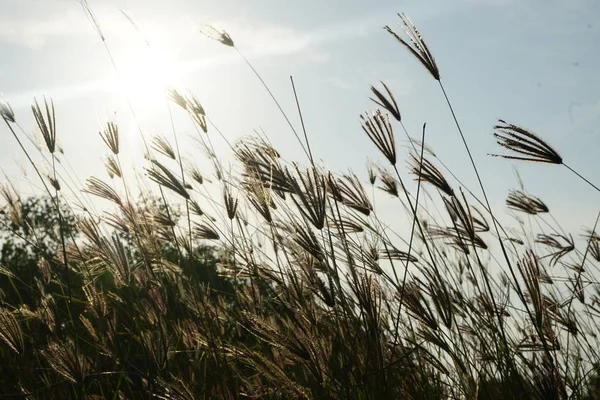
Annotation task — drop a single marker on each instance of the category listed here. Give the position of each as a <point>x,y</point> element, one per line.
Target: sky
<point>532,63</point>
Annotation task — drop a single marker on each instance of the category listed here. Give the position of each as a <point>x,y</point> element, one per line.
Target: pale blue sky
<point>533,63</point>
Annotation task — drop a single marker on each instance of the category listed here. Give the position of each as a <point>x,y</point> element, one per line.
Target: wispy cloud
<point>256,38</point>
<point>268,38</point>
<point>36,31</point>
<point>257,41</point>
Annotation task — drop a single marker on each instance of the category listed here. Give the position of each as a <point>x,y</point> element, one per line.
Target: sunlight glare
<point>144,77</point>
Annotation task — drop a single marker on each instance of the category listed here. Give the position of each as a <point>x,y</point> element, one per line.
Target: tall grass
<point>290,283</point>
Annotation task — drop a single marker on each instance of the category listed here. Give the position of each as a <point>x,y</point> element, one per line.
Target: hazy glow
<point>144,77</point>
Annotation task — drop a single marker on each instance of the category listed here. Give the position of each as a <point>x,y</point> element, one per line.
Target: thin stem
<point>37,171</point>
<point>460,182</point>
<point>187,204</point>
<point>93,19</point>
<point>580,270</point>
<point>312,161</point>
<point>180,162</point>
<point>412,234</point>
<point>275,100</point>
<point>584,179</point>
<point>489,208</point>
<point>60,229</point>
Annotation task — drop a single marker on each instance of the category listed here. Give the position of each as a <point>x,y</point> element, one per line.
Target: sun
<point>144,76</point>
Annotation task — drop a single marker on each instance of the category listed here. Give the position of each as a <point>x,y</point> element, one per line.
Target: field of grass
<point>279,279</point>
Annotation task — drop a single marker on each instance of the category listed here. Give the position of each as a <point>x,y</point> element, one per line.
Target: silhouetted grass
<point>293,286</point>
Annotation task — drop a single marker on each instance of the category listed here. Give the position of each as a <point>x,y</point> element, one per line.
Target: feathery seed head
<point>196,175</point>
<point>310,195</point>
<point>161,145</point>
<point>46,123</point>
<point>527,145</point>
<point>378,128</point>
<point>416,45</point>
<point>427,172</point>
<point>67,360</point>
<point>54,182</point>
<point>231,203</point>
<point>10,331</point>
<point>196,111</point>
<point>520,201</point>
<point>393,253</point>
<point>177,98</point>
<point>593,240</point>
<point>98,188</point>
<point>6,111</point>
<point>203,231</point>
<point>390,105</point>
<point>372,173</point>
<point>260,197</point>
<point>161,175</point>
<point>112,167</point>
<point>110,136</point>
<point>191,104</point>
<point>353,194</point>
<point>218,35</point>
<point>333,188</point>
<point>553,242</point>
<point>389,183</point>
<point>116,221</point>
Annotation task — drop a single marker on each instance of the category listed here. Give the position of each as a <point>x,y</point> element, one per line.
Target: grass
<point>289,283</point>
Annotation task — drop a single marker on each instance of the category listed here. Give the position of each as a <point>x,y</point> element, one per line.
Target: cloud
<point>35,31</point>
<point>53,26</point>
<point>271,39</point>
<point>267,38</point>
<point>256,40</point>
<point>260,38</point>
<point>35,28</point>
